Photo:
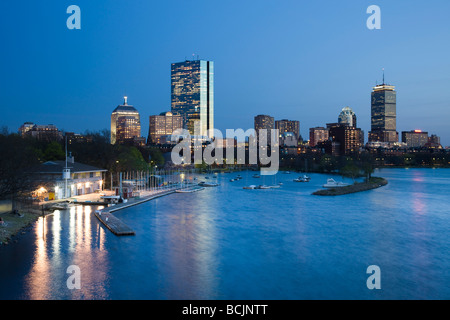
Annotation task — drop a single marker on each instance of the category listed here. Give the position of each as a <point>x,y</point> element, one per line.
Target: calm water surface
<point>230,243</point>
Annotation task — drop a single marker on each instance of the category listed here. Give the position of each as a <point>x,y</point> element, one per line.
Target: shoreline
<point>17,225</point>
<point>374,183</point>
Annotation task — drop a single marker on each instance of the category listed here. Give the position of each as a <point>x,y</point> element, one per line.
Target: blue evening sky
<point>302,60</point>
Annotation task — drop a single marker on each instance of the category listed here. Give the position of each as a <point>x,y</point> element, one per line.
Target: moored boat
<point>331,183</point>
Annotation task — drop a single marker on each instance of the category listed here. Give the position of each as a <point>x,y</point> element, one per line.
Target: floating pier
<point>114,224</point>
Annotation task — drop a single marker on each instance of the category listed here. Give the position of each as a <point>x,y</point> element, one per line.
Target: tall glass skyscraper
<point>384,114</point>
<point>193,94</point>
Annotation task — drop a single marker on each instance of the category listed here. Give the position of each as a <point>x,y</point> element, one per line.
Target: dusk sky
<point>298,60</point>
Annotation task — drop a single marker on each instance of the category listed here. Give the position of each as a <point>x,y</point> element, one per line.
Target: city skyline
<point>272,69</point>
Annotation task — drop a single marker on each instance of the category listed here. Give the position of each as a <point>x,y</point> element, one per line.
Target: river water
<point>231,243</point>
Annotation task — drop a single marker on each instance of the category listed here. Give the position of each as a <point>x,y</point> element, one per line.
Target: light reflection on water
<point>62,239</point>
<point>230,243</point>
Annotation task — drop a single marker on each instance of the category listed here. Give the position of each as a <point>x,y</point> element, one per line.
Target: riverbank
<point>373,183</point>
<point>14,224</point>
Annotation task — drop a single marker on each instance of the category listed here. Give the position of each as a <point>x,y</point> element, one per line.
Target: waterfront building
<point>288,126</point>
<point>192,94</point>
<point>347,117</point>
<point>384,114</point>
<point>125,124</point>
<point>81,179</point>
<point>162,125</point>
<point>317,135</point>
<point>46,133</point>
<point>264,122</point>
<point>434,142</point>
<point>349,138</point>
<point>415,138</point>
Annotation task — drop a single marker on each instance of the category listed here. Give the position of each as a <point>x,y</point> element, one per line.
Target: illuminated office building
<point>415,138</point>
<point>125,124</point>
<point>350,139</point>
<point>163,125</point>
<point>384,114</point>
<point>192,94</point>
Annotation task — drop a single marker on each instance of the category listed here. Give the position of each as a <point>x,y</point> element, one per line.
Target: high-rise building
<point>125,124</point>
<point>162,126</point>
<point>264,122</point>
<point>349,138</point>
<point>415,138</point>
<point>192,94</point>
<point>384,114</point>
<point>285,126</point>
<point>317,135</point>
<point>347,117</point>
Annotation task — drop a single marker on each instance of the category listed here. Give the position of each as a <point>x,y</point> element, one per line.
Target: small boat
<point>302,179</point>
<point>331,183</point>
<point>251,187</point>
<point>232,180</point>
<point>262,187</point>
<point>256,176</point>
<point>274,187</point>
<point>287,172</point>
<point>208,184</point>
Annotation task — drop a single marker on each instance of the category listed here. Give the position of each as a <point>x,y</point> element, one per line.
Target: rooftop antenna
<point>125,100</point>
<point>383,76</point>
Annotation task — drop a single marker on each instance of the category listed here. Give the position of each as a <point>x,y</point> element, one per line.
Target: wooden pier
<point>115,225</point>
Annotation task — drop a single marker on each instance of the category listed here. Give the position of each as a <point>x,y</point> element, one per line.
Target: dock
<point>114,224</point>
